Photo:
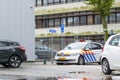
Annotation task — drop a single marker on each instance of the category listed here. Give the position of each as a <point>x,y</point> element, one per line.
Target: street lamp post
<point>52,31</point>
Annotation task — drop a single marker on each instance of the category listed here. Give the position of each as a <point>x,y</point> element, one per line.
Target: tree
<point>103,8</point>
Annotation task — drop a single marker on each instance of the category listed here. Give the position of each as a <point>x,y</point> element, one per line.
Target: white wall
<point>17,23</point>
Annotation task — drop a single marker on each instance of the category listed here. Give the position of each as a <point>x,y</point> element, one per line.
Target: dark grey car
<point>42,51</point>
<point>12,54</point>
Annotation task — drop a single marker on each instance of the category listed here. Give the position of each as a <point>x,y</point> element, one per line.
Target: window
<point>69,1</point>
<point>39,2</point>
<point>50,2</point>
<point>118,17</point>
<point>82,0</point>
<point>107,19</point>
<point>96,46</point>
<point>57,22</point>
<point>76,0</point>
<point>83,20</point>
<point>14,44</point>
<point>63,21</point>
<point>57,1</point>
<point>97,19</point>
<point>76,21</point>
<point>70,21</point>
<point>45,23</point>
<point>88,47</point>
<point>2,44</point>
<point>37,22</point>
<point>93,46</point>
<point>112,18</point>
<point>45,2</point>
<point>63,1</point>
<point>115,41</point>
<point>51,22</point>
<point>89,20</point>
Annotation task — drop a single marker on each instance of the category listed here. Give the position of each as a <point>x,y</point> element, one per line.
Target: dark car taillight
<point>22,48</point>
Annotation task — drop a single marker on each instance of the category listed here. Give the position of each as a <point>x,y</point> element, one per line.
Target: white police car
<point>80,53</point>
<point>111,54</point>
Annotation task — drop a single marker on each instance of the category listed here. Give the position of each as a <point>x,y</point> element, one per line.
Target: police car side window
<point>115,41</point>
<point>96,46</point>
<point>88,47</point>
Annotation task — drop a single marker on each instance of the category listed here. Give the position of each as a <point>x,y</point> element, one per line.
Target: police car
<point>80,53</point>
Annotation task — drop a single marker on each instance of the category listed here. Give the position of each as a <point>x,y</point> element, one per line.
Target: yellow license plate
<point>62,58</point>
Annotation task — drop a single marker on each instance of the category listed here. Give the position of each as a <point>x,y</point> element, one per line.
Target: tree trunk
<point>104,23</point>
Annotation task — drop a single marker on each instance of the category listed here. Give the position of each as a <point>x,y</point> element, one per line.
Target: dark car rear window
<point>14,44</point>
<point>3,44</point>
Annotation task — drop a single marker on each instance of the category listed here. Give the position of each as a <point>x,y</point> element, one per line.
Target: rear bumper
<point>24,58</point>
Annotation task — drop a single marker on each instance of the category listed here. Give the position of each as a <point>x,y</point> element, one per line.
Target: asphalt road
<point>40,70</point>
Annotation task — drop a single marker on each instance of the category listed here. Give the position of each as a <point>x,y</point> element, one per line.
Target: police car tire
<point>106,67</point>
<point>99,63</point>
<point>81,61</point>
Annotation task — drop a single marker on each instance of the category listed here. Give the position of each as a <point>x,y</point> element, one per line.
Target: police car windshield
<point>75,46</point>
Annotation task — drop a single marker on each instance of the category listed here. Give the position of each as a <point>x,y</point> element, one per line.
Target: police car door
<point>97,50</point>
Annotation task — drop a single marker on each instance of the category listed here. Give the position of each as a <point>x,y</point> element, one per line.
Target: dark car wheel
<point>14,61</point>
<point>5,64</point>
<point>81,61</point>
<point>106,67</point>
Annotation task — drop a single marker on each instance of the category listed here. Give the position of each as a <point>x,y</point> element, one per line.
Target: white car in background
<point>111,54</point>
<point>80,53</point>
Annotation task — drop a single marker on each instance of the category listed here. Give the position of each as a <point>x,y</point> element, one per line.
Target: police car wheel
<point>106,67</point>
<point>81,61</point>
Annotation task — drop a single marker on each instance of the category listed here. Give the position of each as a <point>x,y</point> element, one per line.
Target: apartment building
<point>77,18</point>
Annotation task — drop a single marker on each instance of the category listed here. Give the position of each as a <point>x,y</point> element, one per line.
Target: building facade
<point>17,23</point>
<point>80,22</point>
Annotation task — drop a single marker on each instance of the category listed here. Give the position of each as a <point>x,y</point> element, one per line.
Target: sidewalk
<point>41,62</point>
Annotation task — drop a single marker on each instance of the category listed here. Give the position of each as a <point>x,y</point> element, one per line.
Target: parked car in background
<point>80,53</point>
<point>12,54</point>
<point>42,51</point>
<point>111,54</point>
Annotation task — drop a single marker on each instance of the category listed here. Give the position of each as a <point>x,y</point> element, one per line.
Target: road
<point>38,69</point>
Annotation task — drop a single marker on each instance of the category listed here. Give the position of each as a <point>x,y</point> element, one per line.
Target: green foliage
<point>42,34</point>
<point>69,33</point>
<point>118,31</point>
<point>88,33</point>
<point>49,34</point>
<point>103,7</point>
